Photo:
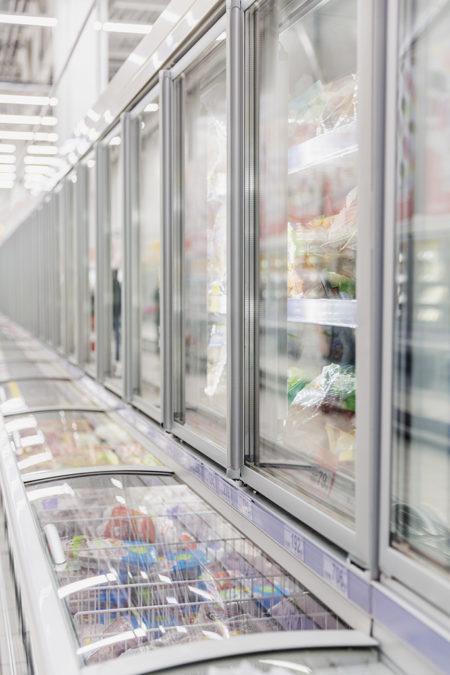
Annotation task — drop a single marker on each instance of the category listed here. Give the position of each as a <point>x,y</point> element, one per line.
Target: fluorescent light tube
<point>28,20</point>
<point>44,120</point>
<point>7,159</point>
<point>28,136</point>
<point>25,99</point>
<point>7,147</point>
<point>118,27</point>
<point>36,159</point>
<point>42,150</point>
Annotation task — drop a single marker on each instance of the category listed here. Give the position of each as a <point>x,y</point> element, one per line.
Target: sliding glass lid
<point>21,395</point>
<point>61,440</point>
<point>12,369</point>
<point>142,562</point>
<point>348,660</point>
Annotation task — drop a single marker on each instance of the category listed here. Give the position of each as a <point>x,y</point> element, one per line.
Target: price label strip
<point>336,575</point>
<point>294,543</point>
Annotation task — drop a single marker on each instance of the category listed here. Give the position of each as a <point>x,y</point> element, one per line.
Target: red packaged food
<point>130,525</point>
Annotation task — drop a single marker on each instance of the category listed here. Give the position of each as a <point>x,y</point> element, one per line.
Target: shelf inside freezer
<point>323,148</point>
<point>60,440</point>
<point>149,564</point>
<point>34,393</point>
<point>322,311</point>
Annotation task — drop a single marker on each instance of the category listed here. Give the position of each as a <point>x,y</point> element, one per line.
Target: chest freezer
<point>67,439</point>
<point>13,369</point>
<point>24,395</point>
<point>133,573</point>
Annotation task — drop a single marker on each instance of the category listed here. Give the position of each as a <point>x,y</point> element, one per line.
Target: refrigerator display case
<point>113,229</point>
<point>26,395</point>
<point>306,217</point>
<point>143,569</point>
<point>69,439</point>
<point>91,213</point>
<point>416,518</point>
<point>30,369</point>
<point>201,406</point>
<point>147,236</point>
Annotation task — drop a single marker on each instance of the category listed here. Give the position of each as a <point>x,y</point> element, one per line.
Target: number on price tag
<point>245,506</point>
<point>322,479</point>
<point>294,543</point>
<point>336,575</point>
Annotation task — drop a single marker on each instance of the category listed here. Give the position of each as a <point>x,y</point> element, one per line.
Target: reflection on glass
<point>205,282</point>
<point>92,248</point>
<point>306,88</point>
<point>420,509</point>
<point>150,267</point>
<point>67,440</point>
<point>150,565</point>
<point>116,254</point>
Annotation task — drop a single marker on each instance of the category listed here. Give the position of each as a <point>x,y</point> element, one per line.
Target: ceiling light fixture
<point>7,147</point>
<point>44,120</point>
<point>28,136</point>
<point>7,159</point>
<point>151,107</point>
<point>24,99</point>
<point>7,168</point>
<point>116,27</point>
<point>17,19</point>
<point>42,150</point>
<point>37,159</point>
<point>115,140</point>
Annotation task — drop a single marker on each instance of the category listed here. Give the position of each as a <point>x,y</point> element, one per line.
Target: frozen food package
<point>150,564</point>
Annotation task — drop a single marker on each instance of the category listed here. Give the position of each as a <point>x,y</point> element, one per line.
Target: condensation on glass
<point>92,253</point>
<point>150,255</point>
<point>304,81</point>
<point>204,246</point>
<point>116,235</point>
<point>420,496</point>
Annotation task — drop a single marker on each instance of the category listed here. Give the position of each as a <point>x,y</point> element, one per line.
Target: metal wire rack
<point>188,575</point>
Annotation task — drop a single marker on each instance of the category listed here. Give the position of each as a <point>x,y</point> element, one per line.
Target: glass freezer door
<point>204,276</point>
<point>143,564</point>
<point>305,90</point>
<point>420,446</point>
<point>149,358</point>
<point>115,242</point>
<point>89,314</point>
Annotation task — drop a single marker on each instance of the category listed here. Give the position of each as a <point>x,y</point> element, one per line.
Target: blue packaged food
<point>188,561</point>
<point>268,595</point>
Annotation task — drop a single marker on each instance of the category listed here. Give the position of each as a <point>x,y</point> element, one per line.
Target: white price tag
<point>322,479</point>
<point>294,543</point>
<point>210,479</point>
<point>336,575</point>
<point>245,506</point>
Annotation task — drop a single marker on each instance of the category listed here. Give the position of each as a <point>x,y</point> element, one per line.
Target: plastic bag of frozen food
<point>321,420</point>
<point>121,628</point>
<point>335,386</point>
